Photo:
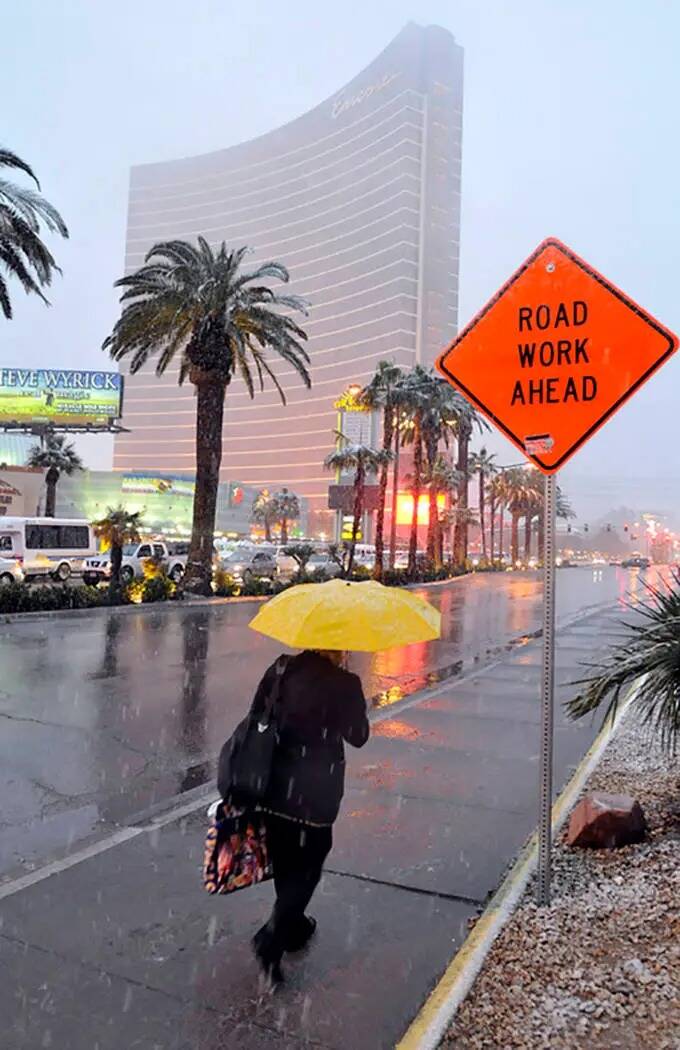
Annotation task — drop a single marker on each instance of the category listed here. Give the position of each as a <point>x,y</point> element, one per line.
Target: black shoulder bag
<point>245,763</point>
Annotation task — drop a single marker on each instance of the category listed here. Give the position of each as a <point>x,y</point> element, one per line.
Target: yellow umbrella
<point>363,617</point>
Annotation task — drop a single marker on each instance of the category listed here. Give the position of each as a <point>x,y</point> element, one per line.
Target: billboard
<point>58,397</point>
<point>158,485</point>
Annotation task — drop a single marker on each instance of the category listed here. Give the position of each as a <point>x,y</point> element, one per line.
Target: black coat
<point>321,707</point>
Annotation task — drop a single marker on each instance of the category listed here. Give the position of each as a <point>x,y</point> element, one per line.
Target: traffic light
<point>609,528</point>
<point>568,528</point>
<point>585,528</point>
<point>625,527</point>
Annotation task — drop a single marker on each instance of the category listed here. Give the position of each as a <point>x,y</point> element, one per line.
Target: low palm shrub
<point>649,658</point>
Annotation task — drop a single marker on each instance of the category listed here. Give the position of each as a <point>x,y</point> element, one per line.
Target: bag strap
<point>274,694</point>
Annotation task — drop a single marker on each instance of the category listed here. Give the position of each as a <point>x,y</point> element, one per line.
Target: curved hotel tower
<point>360,198</point>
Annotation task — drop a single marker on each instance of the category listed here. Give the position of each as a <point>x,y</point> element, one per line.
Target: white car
<point>10,571</point>
<point>323,563</point>
<point>286,566</point>
<point>98,569</point>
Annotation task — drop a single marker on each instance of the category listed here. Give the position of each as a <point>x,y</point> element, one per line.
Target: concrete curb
<point>429,1026</point>
<point>123,610</point>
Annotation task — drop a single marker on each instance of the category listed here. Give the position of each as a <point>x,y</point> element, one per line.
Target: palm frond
<point>648,660</point>
<point>8,159</point>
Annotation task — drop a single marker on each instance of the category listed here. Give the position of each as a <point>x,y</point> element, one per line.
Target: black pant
<point>297,852</point>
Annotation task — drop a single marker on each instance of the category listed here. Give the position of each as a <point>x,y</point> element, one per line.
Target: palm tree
<point>57,457</point>
<point>497,493</point>
<point>442,479</point>
<point>119,527</point>
<point>383,392</point>
<point>440,422</point>
<point>467,420</point>
<point>417,392</point>
<point>191,301</point>
<point>650,658</point>
<point>483,463</point>
<point>22,252</point>
<point>363,460</point>
<point>264,512</point>
<point>517,483</point>
<point>286,509</point>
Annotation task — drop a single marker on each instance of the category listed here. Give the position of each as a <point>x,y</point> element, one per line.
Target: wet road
<point>105,715</point>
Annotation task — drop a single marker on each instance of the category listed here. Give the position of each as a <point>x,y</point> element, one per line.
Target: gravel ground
<point>601,967</point>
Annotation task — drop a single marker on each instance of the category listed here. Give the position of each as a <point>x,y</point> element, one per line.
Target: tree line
<point>196,304</point>
<point>422,412</point>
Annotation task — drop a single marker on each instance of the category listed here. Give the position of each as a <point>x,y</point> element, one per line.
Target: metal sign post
<point>547,695</point>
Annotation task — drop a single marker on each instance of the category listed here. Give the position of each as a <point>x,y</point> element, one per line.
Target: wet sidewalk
<point>124,949</point>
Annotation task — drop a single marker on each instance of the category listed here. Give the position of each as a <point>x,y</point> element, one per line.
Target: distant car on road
<point>286,565</point>
<point>10,571</point>
<point>247,563</point>
<point>322,563</point>
<point>98,569</point>
<point>636,562</point>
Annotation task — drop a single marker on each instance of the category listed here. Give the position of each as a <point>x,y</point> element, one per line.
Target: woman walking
<point>321,706</point>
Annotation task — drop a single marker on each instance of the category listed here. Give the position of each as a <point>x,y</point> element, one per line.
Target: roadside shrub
<point>256,588</point>
<point>23,597</point>
<point>301,553</point>
<point>158,588</point>
<point>361,573</point>
<point>279,585</point>
<point>114,594</point>
<point>224,584</point>
<point>394,577</point>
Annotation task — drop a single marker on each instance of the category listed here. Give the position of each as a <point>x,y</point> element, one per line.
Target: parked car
<point>250,562</point>
<point>10,571</point>
<point>98,569</point>
<point>323,563</point>
<point>636,562</point>
<point>286,566</point>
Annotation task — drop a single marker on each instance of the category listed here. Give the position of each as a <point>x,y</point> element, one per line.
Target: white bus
<point>55,547</point>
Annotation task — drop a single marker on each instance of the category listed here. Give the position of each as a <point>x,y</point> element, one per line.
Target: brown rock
<point>604,821</point>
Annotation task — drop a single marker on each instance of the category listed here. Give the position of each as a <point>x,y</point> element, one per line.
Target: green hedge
<point>25,597</point>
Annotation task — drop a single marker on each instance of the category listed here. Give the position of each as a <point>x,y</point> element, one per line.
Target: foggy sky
<point>570,129</point>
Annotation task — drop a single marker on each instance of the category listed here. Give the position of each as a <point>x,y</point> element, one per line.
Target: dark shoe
<point>303,936</point>
<point>271,967</point>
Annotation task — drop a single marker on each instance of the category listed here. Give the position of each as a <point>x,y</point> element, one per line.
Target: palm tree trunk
<point>481,513</point>
<point>492,523</point>
<point>433,513</point>
<point>267,530</point>
<point>210,392</point>
<point>116,562</point>
<point>501,523</point>
<point>460,536</point>
<point>514,537</point>
<point>528,518</point>
<point>388,428</point>
<point>51,479</point>
<point>358,510</point>
<point>395,495</point>
<point>415,488</point>
<point>284,531</point>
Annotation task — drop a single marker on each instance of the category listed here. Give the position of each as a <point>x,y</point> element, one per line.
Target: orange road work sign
<point>554,354</point>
